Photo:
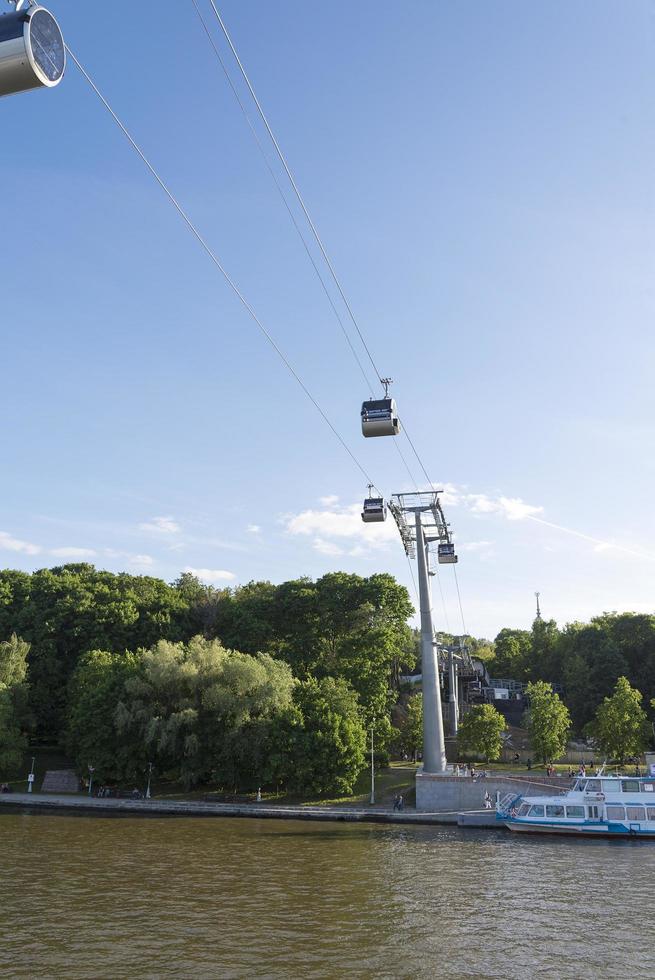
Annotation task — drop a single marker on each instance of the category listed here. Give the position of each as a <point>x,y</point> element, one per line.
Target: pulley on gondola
<point>380,415</point>
<point>32,50</point>
<point>375,509</point>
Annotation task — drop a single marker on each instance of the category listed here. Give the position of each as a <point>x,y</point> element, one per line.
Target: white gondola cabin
<point>446,554</point>
<point>32,50</point>
<point>374,510</point>
<point>380,417</point>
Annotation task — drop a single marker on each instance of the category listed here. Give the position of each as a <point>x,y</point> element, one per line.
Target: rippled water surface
<point>85,896</point>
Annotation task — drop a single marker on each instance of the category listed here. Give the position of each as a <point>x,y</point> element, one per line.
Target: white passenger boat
<point>596,806</point>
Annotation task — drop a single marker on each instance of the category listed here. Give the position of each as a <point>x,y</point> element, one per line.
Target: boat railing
<point>507,803</point>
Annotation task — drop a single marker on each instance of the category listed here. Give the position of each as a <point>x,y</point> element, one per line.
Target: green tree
<point>92,736</point>
<point>480,732</point>
<point>191,705</point>
<point>547,720</point>
<point>633,635</point>
<point>482,649</point>
<point>543,655</point>
<point>194,710</point>
<point>512,653</point>
<point>411,733</point>
<point>14,715</point>
<point>341,626</point>
<point>328,751</point>
<point>66,611</point>
<point>621,726</point>
<point>590,664</point>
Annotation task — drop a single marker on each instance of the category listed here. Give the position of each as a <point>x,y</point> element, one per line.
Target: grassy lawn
<point>397,779</point>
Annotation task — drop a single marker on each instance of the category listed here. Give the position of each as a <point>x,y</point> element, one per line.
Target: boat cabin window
<point>554,811</point>
<point>593,785</point>
<point>592,812</point>
<point>611,786</point>
<point>523,809</point>
<point>630,785</point>
<point>635,812</point>
<point>651,812</point>
<point>575,811</point>
<point>536,811</point>
<point>615,813</point>
<point>648,787</point>
<point>580,785</point>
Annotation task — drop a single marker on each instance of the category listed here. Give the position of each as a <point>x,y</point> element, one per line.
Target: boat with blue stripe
<point>596,806</point>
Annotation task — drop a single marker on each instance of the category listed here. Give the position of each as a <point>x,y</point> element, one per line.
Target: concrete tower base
<point>436,791</point>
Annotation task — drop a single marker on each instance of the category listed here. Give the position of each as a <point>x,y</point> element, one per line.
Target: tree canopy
<point>621,727</point>
<point>548,721</point>
<point>198,712</point>
<point>117,668</point>
<point>585,659</point>
<point>14,711</point>
<point>480,732</point>
<point>341,626</point>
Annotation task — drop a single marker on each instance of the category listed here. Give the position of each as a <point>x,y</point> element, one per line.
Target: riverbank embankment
<point>195,808</point>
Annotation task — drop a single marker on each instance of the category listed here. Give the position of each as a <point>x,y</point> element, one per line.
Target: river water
<point>95,897</point>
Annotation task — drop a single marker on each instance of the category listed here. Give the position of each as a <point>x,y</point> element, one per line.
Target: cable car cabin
<point>380,417</point>
<point>446,554</point>
<point>32,51</point>
<point>375,510</point>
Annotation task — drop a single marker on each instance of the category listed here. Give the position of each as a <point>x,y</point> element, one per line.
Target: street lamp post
<point>91,769</point>
<point>149,777</point>
<point>372,767</point>
<point>30,778</point>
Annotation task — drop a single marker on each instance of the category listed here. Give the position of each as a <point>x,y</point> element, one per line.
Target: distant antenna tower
<point>537,594</point>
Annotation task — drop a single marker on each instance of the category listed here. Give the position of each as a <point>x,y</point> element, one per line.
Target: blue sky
<point>482,177</point>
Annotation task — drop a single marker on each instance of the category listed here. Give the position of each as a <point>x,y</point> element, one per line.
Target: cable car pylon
<point>421,523</point>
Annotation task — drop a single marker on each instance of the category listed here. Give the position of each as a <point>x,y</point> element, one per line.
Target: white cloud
<point>143,560</point>
<point>211,575</point>
<point>330,501</point>
<point>253,529</point>
<point>451,496</point>
<point>72,552</point>
<point>333,527</point>
<point>344,522</point>
<point>513,508</point>
<point>161,525</point>
<point>326,547</point>
<point>9,543</point>
<point>475,546</point>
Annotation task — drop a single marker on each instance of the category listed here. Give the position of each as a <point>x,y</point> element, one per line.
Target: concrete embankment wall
<point>440,793</point>
<point>191,808</point>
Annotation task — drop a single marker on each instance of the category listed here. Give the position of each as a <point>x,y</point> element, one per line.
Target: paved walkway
<point>193,808</point>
